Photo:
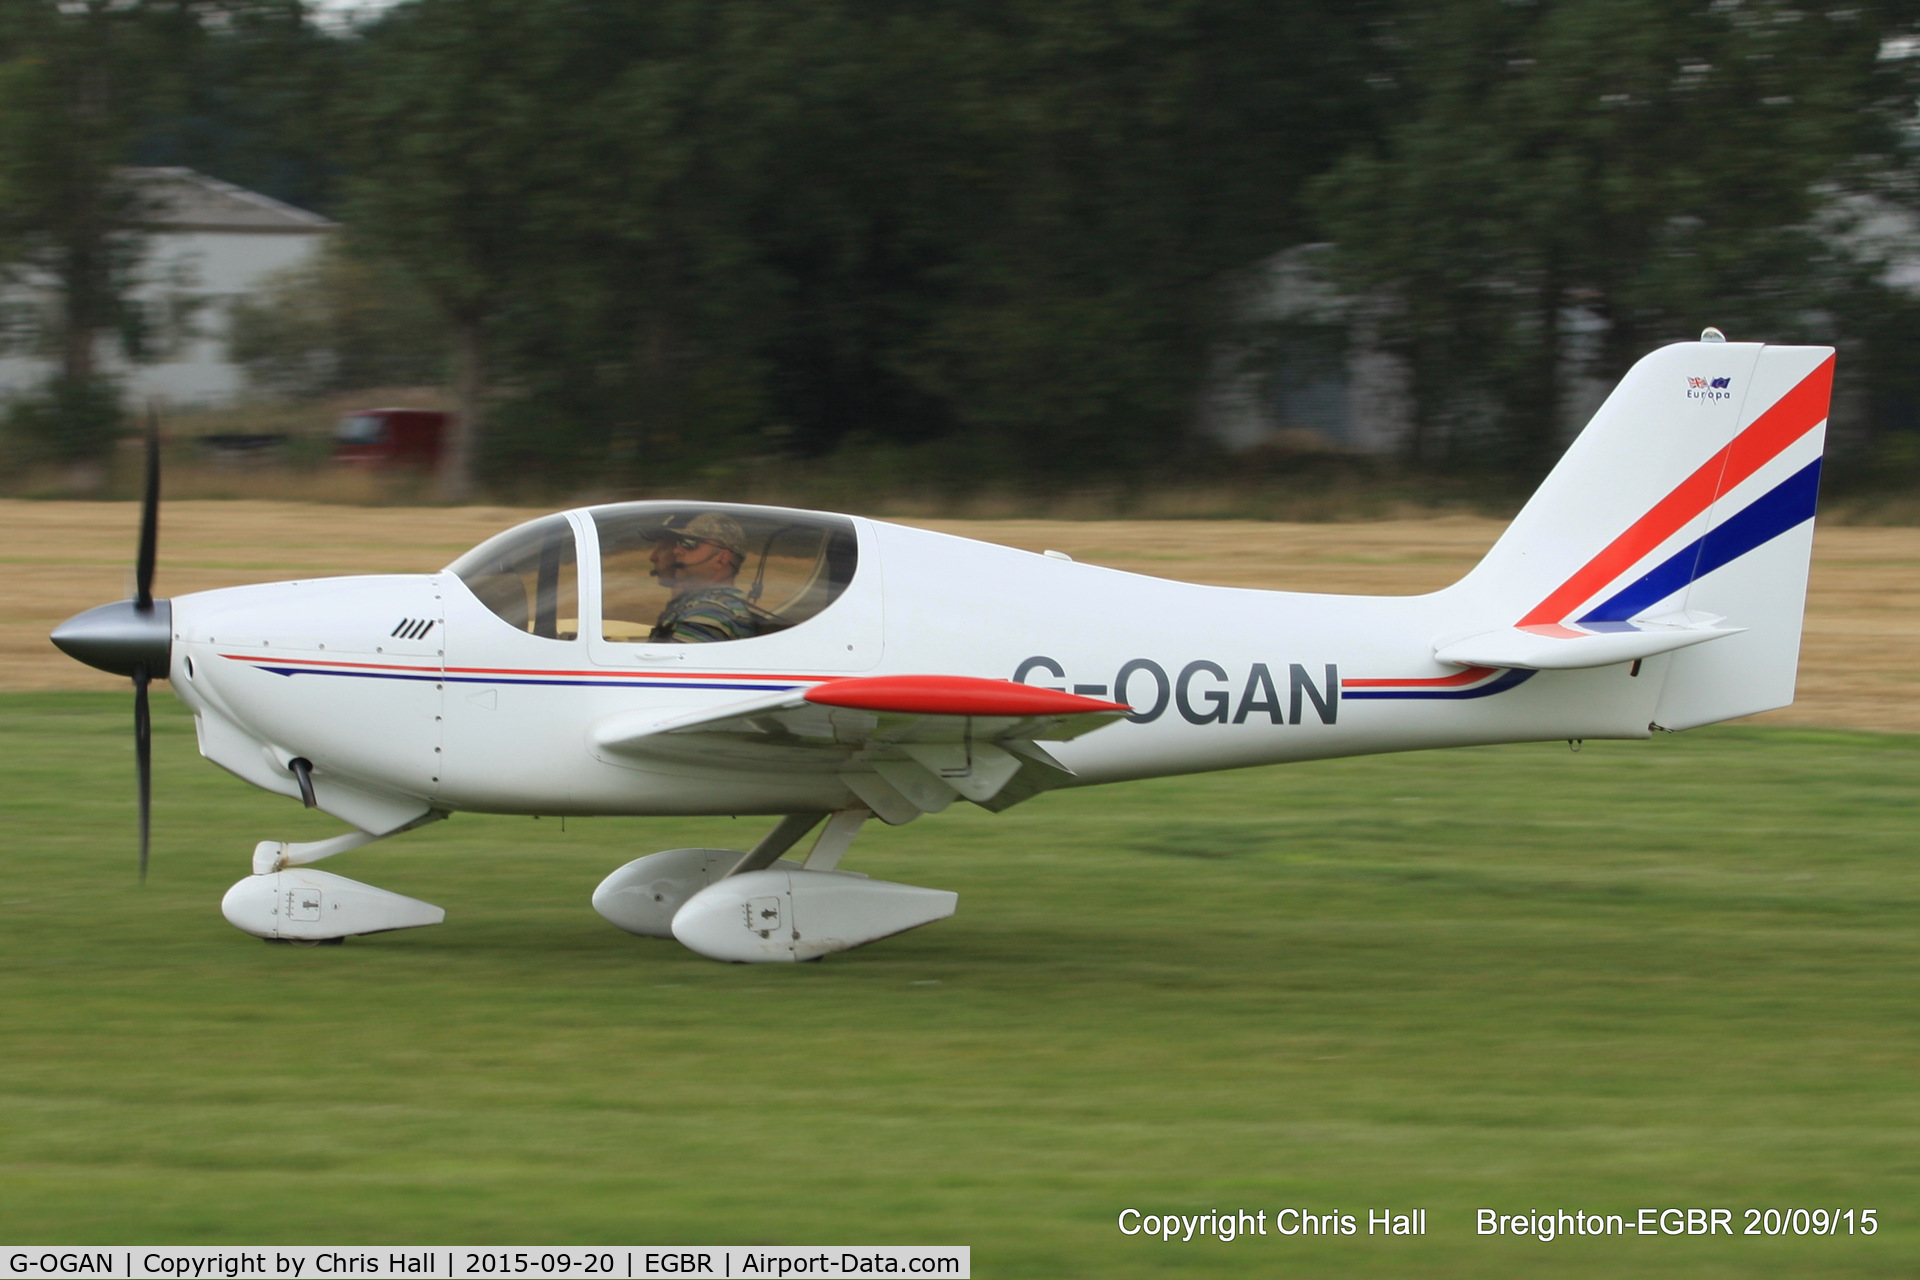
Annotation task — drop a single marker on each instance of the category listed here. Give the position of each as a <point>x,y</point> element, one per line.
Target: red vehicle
<point>391,438</point>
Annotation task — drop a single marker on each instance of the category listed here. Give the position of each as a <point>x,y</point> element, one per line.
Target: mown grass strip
<point>1677,972</point>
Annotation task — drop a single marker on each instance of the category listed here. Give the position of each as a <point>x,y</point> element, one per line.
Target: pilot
<point>697,557</point>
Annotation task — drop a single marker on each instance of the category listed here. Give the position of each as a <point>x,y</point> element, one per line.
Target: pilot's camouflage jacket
<point>711,613</point>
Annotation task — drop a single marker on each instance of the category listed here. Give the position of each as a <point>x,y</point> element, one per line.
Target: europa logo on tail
<point>1709,388</point>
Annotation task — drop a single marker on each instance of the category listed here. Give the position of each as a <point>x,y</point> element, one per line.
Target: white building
<point>208,242</point>
<point>1308,375</point>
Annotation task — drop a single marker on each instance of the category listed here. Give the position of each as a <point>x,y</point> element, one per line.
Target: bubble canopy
<point>670,572</point>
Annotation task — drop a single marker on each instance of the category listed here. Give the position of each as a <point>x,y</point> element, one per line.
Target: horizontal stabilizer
<point>1571,646</point>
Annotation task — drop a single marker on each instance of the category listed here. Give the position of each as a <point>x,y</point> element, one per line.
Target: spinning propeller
<point>132,637</point>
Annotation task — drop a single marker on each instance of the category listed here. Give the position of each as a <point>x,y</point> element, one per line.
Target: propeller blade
<point>149,520</point>
<point>143,759</point>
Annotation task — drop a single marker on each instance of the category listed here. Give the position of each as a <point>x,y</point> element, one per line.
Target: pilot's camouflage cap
<point>708,526</point>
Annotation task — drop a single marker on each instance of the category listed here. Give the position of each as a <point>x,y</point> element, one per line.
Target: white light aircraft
<point>706,658</point>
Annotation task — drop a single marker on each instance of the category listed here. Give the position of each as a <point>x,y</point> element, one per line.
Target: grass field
<point>1671,973</point>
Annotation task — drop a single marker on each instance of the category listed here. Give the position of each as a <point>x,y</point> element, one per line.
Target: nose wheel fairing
<point>299,904</point>
<point>284,900</point>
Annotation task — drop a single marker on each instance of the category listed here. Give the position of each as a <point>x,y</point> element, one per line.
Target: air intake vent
<point>412,629</point>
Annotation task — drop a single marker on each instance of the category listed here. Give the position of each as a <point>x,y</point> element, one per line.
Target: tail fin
<point>1688,499</point>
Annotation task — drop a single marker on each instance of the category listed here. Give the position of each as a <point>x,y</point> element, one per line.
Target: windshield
<point>361,428</point>
<point>693,573</point>
<point>529,578</point>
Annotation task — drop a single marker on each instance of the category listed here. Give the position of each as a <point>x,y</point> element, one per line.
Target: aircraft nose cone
<point>118,637</point>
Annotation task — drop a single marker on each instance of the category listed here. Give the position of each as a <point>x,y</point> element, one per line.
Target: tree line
<point>644,240</point>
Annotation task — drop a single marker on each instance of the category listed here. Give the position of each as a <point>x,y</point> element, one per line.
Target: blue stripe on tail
<point>1787,504</point>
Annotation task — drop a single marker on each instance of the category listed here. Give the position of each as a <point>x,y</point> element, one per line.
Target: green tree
<point>75,82</point>
<point>1114,164</point>
<point>638,340</point>
<point>679,231</point>
<point>451,123</point>
<point>254,103</point>
<point>1652,166</point>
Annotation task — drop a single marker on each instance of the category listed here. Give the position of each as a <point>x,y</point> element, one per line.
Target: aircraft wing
<point>906,745</point>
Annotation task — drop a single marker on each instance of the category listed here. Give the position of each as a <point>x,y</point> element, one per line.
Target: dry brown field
<point>1859,665</point>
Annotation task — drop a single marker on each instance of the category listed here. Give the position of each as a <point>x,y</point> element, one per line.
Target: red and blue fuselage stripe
<point>495,680</point>
<point>528,676</point>
<point>1507,680</point>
